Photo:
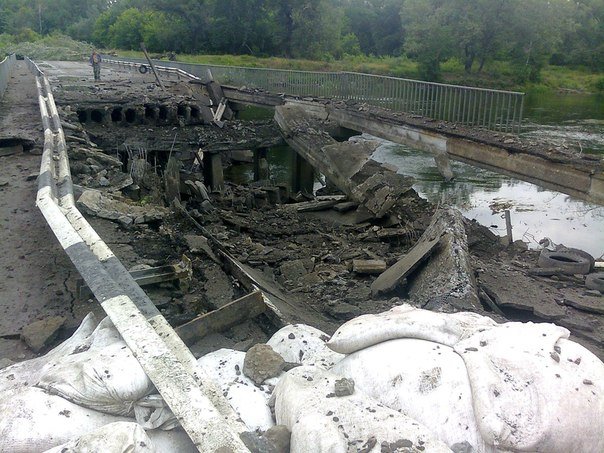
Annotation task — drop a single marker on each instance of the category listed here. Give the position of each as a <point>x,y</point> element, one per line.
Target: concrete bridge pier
<point>213,173</point>
<point>261,172</point>
<point>303,175</point>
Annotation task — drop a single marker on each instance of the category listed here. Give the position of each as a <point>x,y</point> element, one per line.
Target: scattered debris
<point>344,387</point>
<point>261,363</point>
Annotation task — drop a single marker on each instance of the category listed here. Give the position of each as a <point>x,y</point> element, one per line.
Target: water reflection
<point>482,195</point>
<point>566,120</point>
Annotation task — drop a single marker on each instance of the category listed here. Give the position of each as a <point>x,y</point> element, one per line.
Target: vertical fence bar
<point>520,114</point>
<point>507,121</point>
<point>491,109</point>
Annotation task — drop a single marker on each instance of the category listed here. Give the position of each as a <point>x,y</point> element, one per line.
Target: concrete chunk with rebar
<point>348,165</point>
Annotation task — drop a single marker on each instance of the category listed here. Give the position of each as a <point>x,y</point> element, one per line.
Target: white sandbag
<point>319,421</point>
<point>405,321</point>
<point>299,343</point>
<point>108,379</point>
<point>32,420</point>
<point>250,401</point>
<point>424,380</point>
<point>534,390</point>
<point>173,441</point>
<point>28,372</point>
<point>152,412</point>
<point>119,437</point>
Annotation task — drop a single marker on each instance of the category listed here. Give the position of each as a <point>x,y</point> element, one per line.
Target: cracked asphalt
<point>37,279</point>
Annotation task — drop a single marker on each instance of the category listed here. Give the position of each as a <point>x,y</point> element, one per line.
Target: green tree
<point>161,32</point>
<point>537,28</point>
<point>127,31</point>
<point>429,30</point>
<point>242,27</point>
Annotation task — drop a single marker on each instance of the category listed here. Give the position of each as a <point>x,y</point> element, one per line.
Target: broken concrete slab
<point>345,206</point>
<point>443,165</point>
<point>40,334</point>
<point>348,165</point>
<point>588,304</point>
<point>293,271</point>
<point>218,288</point>
<point>200,244</point>
<point>81,153</point>
<point>93,202</point>
<point>343,311</point>
<point>447,282</point>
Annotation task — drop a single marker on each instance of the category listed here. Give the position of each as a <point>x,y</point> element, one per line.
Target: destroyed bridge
<point>314,111</point>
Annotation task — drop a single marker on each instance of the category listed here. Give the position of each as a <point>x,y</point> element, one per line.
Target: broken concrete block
<point>218,288</point>
<point>447,282</point>
<point>368,266</point>
<point>40,334</point>
<point>255,442</point>
<point>345,206</point>
<point>279,438</point>
<point>262,362</point>
<point>293,271</point>
<point>344,387</point>
<point>199,244</point>
<point>343,311</point>
<point>93,202</point>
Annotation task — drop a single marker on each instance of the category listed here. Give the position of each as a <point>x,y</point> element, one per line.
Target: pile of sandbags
<point>511,387</point>
<point>89,381</point>
<point>404,380</point>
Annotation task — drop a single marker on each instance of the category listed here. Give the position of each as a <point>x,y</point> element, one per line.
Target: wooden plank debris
<point>396,273</point>
<point>345,206</point>
<point>368,266</point>
<point>182,271</point>
<point>236,312</point>
<point>313,206</point>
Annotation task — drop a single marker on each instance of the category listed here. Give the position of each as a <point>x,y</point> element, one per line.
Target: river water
<point>563,119</point>
<point>576,121</point>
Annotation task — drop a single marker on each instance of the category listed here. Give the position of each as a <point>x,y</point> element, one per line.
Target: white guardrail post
<point>6,67</point>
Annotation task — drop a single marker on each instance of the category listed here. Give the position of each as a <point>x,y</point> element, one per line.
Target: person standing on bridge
<point>95,61</point>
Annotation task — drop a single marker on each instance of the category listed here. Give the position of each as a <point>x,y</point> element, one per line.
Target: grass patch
<point>495,74</point>
<point>51,47</point>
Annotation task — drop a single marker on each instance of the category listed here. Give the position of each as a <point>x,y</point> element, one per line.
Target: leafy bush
<point>51,47</point>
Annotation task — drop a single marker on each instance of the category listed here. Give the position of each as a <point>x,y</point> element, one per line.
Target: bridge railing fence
<point>5,70</point>
<point>477,107</point>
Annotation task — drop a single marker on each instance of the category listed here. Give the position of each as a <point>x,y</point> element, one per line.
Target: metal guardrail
<point>477,107</point>
<point>194,399</point>
<point>6,66</point>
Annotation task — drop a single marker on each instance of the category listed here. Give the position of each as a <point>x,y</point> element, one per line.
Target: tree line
<point>527,33</point>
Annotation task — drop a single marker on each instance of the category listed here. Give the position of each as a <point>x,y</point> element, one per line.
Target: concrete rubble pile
<point>403,380</point>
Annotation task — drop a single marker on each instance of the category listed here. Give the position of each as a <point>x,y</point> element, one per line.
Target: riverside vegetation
<point>495,43</point>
